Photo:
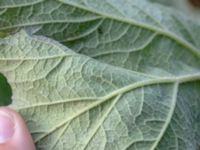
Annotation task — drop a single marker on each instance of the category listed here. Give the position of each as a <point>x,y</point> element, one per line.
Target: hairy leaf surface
<point>74,102</point>
<point>135,34</point>
<point>130,82</point>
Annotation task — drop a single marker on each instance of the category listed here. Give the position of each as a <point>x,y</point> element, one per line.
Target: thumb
<point>14,134</point>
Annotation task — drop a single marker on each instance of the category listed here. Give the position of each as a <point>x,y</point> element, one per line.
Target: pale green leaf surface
<point>73,102</point>
<point>132,34</point>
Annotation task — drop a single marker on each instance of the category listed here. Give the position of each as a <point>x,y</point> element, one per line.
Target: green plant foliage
<point>103,74</point>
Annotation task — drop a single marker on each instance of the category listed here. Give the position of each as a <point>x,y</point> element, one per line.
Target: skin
<point>19,136</point>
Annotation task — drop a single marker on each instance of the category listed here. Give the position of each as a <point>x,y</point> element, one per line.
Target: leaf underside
<point>130,82</point>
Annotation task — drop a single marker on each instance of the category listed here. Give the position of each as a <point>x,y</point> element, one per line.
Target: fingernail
<point>6,127</point>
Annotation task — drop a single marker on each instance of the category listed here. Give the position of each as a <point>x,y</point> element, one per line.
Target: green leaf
<point>141,92</point>
<point>135,34</point>
<point>71,101</point>
<point>5,92</point>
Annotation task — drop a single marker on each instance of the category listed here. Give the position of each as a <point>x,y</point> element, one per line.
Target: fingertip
<point>14,133</point>
<point>7,126</point>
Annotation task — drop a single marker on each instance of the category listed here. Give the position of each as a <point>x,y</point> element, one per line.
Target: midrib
<point>123,90</point>
<point>142,25</point>
<point>128,88</point>
<point>170,35</point>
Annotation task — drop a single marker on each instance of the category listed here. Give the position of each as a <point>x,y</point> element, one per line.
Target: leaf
<point>5,92</point>
<point>71,101</point>
<point>190,8</point>
<point>135,34</point>
<point>143,94</point>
